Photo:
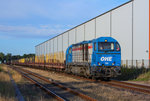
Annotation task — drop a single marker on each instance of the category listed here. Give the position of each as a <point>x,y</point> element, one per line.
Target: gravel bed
<point>94,90</point>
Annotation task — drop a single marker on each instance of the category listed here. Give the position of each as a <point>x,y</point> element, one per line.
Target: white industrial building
<point>128,23</point>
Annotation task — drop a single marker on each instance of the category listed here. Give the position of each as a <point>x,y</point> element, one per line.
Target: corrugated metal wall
<point>65,42</point>
<point>122,29</point>
<point>141,29</point>
<point>103,25</point>
<point>90,30</point>
<point>72,36</point>
<point>80,33</point>
<point>129,24</point>
<point>60,43</point>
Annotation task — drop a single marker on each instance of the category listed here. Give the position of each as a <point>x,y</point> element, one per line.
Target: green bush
<point>143,77</point>
<point>131,73</point>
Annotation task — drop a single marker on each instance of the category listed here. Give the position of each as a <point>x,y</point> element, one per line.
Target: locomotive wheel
<point>87,75</point>
<point>87,72</point>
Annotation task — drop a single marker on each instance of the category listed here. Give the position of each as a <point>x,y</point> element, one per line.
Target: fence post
<point>136,63</point>
<point>132,63</point>
<point>126,63</point>
<point>142,62</point>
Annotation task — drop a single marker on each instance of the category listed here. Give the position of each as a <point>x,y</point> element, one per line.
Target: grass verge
<point>7,92</point>
<point>143,77</point>
<point>139,74</point>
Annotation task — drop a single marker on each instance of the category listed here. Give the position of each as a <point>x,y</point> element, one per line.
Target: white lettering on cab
<point>106,58</point>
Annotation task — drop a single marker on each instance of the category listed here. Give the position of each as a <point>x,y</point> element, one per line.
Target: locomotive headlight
<point>112,63</point>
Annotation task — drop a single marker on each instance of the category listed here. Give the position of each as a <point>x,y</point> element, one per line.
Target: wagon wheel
<point>69,69</point>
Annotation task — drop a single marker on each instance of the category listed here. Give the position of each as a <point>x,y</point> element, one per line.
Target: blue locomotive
<point>96,58</point>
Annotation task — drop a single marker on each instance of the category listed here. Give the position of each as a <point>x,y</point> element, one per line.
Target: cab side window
<point>117,47</point>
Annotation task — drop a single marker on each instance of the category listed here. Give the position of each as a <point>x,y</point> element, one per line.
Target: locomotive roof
<point>100,39</point>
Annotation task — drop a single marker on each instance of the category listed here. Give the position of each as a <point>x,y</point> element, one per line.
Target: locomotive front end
<point>106,57</point>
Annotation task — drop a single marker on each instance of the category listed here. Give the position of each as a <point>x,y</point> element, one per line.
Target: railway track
<point>132,86</point>
<point>33,78</point>
<point>119,84</point>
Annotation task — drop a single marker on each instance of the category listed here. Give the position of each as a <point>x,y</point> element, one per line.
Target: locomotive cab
<point>106,57</point>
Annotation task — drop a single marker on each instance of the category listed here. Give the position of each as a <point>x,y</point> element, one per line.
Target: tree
<point>2,57</point>
<point>28,55</point>
<point>15,57</point>
<point>8,57</point>
<point>31,55</point>
<point>24,56</point>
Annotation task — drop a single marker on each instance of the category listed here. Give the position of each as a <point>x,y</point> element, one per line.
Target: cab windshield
<point>105,46</point>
